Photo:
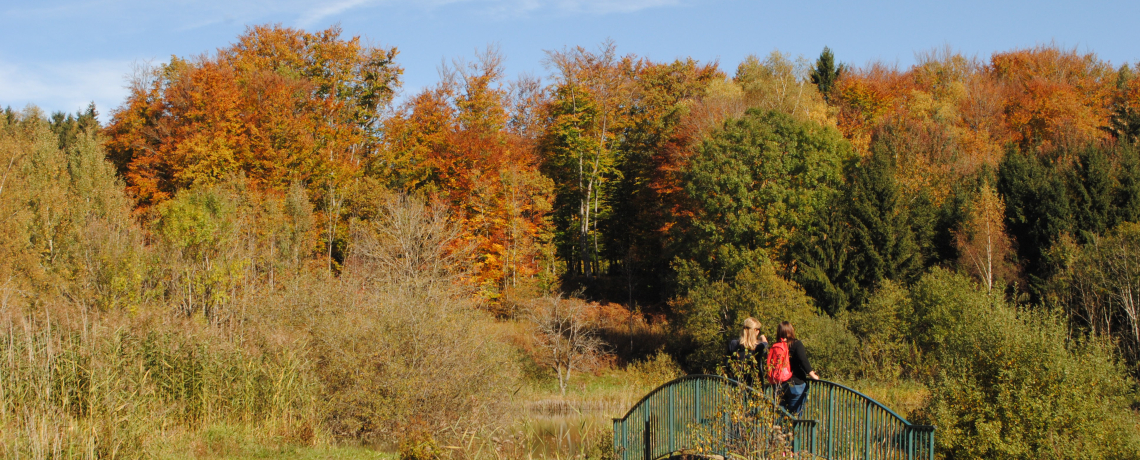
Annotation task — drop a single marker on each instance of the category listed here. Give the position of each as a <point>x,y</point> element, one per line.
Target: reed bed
<point>73,387</point>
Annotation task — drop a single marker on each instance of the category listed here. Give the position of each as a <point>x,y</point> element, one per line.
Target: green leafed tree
<point>586,115</point>
<point>754,184</point>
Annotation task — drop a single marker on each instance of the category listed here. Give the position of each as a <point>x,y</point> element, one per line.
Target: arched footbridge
<point>713,416</point>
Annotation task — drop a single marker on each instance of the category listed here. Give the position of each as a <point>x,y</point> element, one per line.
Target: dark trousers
<point>793,397</point>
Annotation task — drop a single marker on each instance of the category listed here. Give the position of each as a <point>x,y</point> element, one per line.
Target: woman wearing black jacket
<point>747,352</point>
<point>795,391</point>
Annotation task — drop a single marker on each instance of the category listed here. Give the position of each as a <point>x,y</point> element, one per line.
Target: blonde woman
<point>747,351</point>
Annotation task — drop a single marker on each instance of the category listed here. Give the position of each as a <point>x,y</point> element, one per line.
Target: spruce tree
<point>826,73</point>
<point>882,227</point>
<point>866,236</point>
<point>821,259</point>
<point>1038,211</point>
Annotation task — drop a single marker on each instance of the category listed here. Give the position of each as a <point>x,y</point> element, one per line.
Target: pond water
<point>555,429</point>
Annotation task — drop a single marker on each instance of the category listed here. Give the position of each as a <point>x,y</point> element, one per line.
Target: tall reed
<point>73,387</point>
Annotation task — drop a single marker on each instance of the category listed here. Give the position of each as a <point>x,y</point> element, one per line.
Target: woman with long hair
<point>794,390</point>
<point>743,352</point>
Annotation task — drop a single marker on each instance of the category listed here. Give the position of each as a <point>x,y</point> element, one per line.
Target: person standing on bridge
<point>745,352</point>
<point>794,390</point>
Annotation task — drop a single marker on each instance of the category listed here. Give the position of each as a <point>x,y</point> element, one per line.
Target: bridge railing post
<point>830,422</point>
<point>724,436</point>
<point>647,437</point>
<point>672,416</point>
<point>867,430</point>
<point>619,427</point>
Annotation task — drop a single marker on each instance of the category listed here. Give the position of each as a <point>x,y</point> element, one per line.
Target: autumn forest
<point>265,252</point>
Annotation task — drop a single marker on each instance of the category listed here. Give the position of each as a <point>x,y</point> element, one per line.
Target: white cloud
<point>315,15</point>
<point>502,8</point>
<point>65,86</point>
<point>613,6</point>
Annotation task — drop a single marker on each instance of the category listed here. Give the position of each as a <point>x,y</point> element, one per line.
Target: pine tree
<point>70,127</point>
<point>826,73</point>
<point>822,259</point>
<point>1038,211</point>
<point>882,227</point>
<point>867,235</point>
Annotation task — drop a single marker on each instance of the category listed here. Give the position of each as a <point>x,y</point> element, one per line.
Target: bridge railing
<point>690,413</point>
<point>837,422</point>
<point>851,425</point>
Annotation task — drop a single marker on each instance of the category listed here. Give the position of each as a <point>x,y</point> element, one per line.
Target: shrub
<point>565,336</point>
<point>398,342</point>
<point>655,370</point>
<point>711,314</point>
<point>419,446</point>
<point>879,325</point>
<point>1010,383</point>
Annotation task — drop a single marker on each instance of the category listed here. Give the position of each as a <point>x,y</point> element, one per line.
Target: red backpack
<point>779,365</point>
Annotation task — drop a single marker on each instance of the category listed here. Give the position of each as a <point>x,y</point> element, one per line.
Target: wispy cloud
<point>315,15</point>
<point>500,8</point>
<point>613,6</point>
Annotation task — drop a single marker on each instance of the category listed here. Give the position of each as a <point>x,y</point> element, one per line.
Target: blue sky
<point>60,55</point>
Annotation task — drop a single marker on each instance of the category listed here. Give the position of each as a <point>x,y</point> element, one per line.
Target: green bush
<point>1010,383</point>
<point>880,326</point>
<point>712,313</point>
<point>419,446</point>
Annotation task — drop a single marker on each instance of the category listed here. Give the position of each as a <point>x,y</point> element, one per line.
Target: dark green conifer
<point>826,73</point>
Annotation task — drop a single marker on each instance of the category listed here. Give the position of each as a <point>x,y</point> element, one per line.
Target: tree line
<point>619,174</point>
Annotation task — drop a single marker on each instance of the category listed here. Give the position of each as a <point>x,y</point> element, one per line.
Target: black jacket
<point>797,355</point>
<point>746,359</point>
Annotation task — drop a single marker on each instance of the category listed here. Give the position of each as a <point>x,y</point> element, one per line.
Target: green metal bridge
<point>709,415</point>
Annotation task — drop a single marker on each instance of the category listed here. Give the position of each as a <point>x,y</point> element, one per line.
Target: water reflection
<point>560,429</point>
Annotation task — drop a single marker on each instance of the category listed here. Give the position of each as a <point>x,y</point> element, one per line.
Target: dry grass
<point>283,354</point>
<point>904,397</point>
<point>122,387</point>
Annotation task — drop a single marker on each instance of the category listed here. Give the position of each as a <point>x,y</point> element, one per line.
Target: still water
<point>564,430</point>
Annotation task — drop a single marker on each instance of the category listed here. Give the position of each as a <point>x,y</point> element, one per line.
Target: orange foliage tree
<point>1053,97</point>
<point>280,105</point>
<point>465,142</point>
<point>951,115</point>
